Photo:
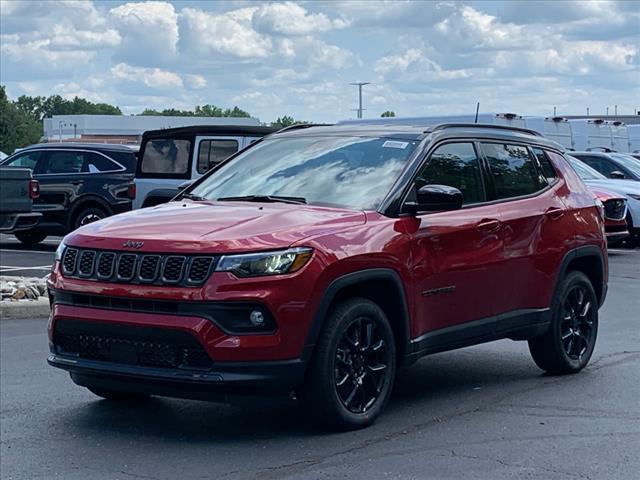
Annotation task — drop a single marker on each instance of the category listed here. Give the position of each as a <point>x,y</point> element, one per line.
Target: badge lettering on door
<point>436,291</point>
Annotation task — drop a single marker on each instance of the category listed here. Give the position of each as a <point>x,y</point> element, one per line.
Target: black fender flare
<point>583,252</point>
<point>354,278</point>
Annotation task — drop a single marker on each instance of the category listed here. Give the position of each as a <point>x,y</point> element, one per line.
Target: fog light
<point>257,318</point>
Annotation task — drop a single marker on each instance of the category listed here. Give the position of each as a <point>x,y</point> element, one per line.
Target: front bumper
<point>225,379</point>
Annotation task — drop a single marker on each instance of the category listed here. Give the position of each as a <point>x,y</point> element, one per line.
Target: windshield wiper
<point>191,196</point>
<point>264,198</point>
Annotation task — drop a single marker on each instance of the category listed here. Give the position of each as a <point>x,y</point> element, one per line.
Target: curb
<point>25,309</point>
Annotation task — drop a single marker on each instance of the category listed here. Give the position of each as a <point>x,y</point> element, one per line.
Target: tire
<point>30,237</point>
<point>117,396</point>
<point>353,368</point>
<point>88,215</point>
<point>568,345</point>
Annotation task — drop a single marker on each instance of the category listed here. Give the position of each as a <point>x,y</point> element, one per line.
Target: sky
<point>297,58</point>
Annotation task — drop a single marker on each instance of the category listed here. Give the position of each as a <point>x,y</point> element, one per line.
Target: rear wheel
<point>117,396</point>
<point>568,345</point>
<point>89,215</point>
<point>30,237</point>
<point>353,367</point>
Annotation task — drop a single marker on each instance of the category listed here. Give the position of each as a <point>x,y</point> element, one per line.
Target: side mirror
<point>184,185</point>
<point>436,198</point>
<point>617,174</point>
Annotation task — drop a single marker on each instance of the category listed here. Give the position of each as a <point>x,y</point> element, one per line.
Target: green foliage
<point>388,113</point>
<point>17,129</point>
<point>287,121</point>
<point>200,111</point>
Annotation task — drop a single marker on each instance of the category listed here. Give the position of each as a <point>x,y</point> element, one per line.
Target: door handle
<point>554,213</point>
<point>75,182</point>
<point>488,225</point>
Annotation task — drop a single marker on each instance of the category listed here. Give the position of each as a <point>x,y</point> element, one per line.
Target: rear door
<point>533,215</point>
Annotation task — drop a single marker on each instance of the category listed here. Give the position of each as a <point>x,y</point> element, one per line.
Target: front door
<point>457,256</point>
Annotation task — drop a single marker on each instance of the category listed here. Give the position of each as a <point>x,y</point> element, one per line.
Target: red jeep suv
<point>321,259</point>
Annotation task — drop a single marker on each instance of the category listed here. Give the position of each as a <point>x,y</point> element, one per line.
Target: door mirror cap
<point>436,198</point>
<point>617,174</point>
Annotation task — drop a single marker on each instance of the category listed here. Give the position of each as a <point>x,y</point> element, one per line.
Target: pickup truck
<point>17,192</point>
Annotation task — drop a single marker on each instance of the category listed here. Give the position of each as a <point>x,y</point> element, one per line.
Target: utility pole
<point>360,85</point>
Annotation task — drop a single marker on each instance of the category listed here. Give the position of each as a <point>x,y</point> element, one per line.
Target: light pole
<point>360,85</point>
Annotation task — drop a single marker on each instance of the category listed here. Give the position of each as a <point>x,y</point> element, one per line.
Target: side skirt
<point>516,325</point>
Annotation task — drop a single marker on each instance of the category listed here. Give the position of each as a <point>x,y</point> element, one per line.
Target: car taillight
<point>131,191</point>
<point>34,189</point>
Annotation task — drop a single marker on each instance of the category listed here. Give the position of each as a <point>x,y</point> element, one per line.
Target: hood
<point>625,187</point>
<point>214,227</point>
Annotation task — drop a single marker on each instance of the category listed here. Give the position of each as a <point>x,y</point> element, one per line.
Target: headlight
<point>266,263</point>
<point>60,251</point>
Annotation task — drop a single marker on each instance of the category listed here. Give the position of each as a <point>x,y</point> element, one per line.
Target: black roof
<point>209,130</point>
<point>84,146</point>
<point>419,132</point>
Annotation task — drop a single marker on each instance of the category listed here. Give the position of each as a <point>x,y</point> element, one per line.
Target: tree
<point>287,121</point>
<point>17,129</point>
<point>388,113</point>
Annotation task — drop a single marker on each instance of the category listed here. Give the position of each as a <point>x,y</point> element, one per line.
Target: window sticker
<point>395,144</point>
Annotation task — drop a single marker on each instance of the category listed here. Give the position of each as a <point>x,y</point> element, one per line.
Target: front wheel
<point>569,343</point>
<point>353,367</point>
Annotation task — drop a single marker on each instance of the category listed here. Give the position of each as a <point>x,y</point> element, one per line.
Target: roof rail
<point>299,126</point>
<point>443,126</point>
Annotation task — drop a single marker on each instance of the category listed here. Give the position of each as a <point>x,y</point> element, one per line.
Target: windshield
<point>628,162</point>
<point>353,172</point>
<point>585,172</point>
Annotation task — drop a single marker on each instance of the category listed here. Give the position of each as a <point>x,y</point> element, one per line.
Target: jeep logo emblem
<point>132,244</point>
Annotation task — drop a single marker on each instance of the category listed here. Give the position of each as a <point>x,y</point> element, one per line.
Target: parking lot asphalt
<point>484,412</point>
<point>19,260</point>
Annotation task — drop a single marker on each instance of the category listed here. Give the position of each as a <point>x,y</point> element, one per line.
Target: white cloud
<point>229,33</point>
<point>151,77</point>
<point>65,37</point>
<point>195,82</point>
<point>289,18</point>
<point>149,32</point>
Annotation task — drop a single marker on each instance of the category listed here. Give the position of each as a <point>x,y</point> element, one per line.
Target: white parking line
<point>6,269</point>
<point>23,251</point>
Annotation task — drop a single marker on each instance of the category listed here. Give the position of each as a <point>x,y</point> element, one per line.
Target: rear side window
<point>212,152</point>
<point>58,162</point>
<point>166,156</point>
<point>600,164</point>
<point>513,170</point>
<point>545,165</point>
<point>97,163</point>
<point>24,160</point>
<point>455,165</point>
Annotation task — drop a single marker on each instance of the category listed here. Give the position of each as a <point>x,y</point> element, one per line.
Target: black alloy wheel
<point>577,326</point>
<point>361,364</point>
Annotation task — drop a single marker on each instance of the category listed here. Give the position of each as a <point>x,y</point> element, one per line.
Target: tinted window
<point>166,156</point>
<point>332,170</point>
<point>126,159</point>
<point>212,152</point>
<point>24,160</point>
<point>584,171</point>
<point>600,164</point>
<point>513,170</point>
<point>455,165</point>
<point>628,162</point>
<point>97,163</point>
<point>545,164</point>
<point>64,162</point>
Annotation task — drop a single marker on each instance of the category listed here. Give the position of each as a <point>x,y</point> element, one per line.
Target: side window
<point>212,152</point>
<point>545,165</point>
<point>166,157</point>
<point>600,164</point>
<point>25,160</point>
<point>63,162</point>
<point>455,165</point>
<point>97,163</point>
<point>514,172</point>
